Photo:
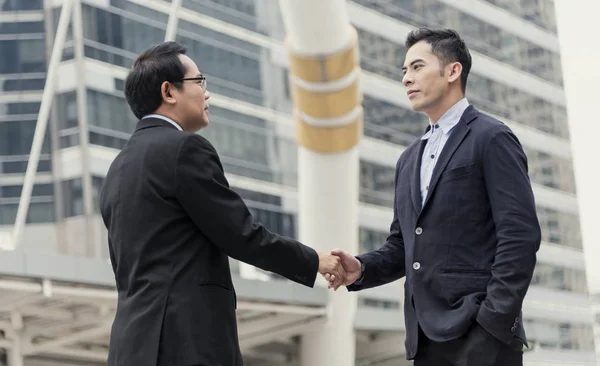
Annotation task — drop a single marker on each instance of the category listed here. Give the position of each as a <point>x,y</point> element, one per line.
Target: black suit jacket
<point>469,253</point>
<point>172,223</point>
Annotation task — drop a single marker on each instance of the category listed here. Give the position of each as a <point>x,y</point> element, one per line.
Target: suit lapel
<point>456,137</point>
<point>415,182</point>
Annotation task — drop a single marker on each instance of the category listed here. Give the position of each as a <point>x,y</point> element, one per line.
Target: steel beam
<point>76,337</point>
<point>264,325</point>
<point>284,331</point>
<point>383,347</point>
<point>11,302</point>
<point>84,354</point>
<point>171,31</point>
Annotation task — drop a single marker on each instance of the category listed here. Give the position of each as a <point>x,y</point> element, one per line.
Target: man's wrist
<point>362,272</point>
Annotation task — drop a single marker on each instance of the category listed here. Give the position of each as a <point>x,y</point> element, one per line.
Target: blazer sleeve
<point>387,263</point>
<point>222,216</point>
<point>517,230</point>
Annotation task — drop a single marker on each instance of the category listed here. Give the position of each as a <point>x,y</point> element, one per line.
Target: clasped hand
<point>339,268</point>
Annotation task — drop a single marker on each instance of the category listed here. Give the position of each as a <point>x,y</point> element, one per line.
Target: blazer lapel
<point>456,137</point>
<point>415,182</point>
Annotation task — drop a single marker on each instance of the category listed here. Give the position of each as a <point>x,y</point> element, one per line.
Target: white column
<point>580,56</point>
<point>15,354</point>
<point>15,334</point>
<point>325,86</point>
<point>93,247</point>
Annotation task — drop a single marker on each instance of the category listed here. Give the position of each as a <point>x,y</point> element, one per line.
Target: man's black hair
<point>447,46</point>
<point>156,65</point>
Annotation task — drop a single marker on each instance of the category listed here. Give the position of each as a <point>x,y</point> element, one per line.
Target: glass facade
<point>480,36</point>
<point>538,12</point>
<point>384,57</point>
<point>252,147</point>
<point>22,79</point>
<point>551,334</point>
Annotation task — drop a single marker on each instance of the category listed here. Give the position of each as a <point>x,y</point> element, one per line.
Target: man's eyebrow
<point>414,62</point>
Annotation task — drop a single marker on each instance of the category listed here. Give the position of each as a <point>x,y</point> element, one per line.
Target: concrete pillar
<point>324,80</point>
<point>15,354</point>
<point>92,247</point>
<point>580,56</point>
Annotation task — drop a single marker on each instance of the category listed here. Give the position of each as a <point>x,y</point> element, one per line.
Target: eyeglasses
<point>201,78</point>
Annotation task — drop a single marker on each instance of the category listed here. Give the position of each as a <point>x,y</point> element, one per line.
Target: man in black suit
<point>465,231</point>
<point>173,222</point>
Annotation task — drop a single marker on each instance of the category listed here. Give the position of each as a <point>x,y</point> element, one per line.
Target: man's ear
<point>455,71</point>
<point>166,91</point>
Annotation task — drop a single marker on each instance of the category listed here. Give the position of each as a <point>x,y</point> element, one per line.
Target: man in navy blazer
<point>465,231</point>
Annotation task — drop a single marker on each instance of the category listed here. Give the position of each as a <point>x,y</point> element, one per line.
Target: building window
<point>72,191</point>
<point>13,5</point>
<point>17,138</point>
<point>96,189</point>
<point>22,55</point>
<point>41,207</point>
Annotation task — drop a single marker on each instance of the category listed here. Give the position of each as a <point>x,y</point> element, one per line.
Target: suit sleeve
<point>222,216</point>
<point>387,263</point>
<point>517,230</point>
<point>113,260</point>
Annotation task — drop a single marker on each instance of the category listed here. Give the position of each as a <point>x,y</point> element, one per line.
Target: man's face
<point>192,98</point>
<point>424,78</point>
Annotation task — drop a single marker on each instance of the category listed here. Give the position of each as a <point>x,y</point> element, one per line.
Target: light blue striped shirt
<point>438,136</point>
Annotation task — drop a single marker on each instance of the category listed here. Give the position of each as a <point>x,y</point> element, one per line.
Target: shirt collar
<point>164,119</point>
<point>449,119</point>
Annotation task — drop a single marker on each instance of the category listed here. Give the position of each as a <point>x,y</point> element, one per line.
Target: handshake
<point>339,268</point>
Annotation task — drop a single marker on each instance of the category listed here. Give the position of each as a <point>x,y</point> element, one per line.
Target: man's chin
<point>205,122</point>
<point>416,107</point>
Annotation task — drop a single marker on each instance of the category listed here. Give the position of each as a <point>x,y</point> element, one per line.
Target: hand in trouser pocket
<point>481,348</point>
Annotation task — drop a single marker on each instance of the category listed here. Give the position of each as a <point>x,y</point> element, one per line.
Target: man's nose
<point>206,95</point>
<point>407,80</point>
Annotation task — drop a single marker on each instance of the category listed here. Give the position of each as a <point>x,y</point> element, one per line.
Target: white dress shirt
<point>438,136</point>
<point>164,119</point>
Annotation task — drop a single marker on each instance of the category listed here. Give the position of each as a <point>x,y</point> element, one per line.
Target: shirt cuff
<point>362,273</point>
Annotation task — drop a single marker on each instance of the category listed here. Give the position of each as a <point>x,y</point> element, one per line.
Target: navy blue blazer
<point>469,253</point>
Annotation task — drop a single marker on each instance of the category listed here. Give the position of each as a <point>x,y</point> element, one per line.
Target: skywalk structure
<point>287,80</point>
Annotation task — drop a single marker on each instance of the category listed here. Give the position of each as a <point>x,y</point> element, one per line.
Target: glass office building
<point>238,45</point>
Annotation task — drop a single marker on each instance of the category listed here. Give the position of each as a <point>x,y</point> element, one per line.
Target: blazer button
<point>419,231</point>
<point>513,329</point>
<point>416,266</point>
